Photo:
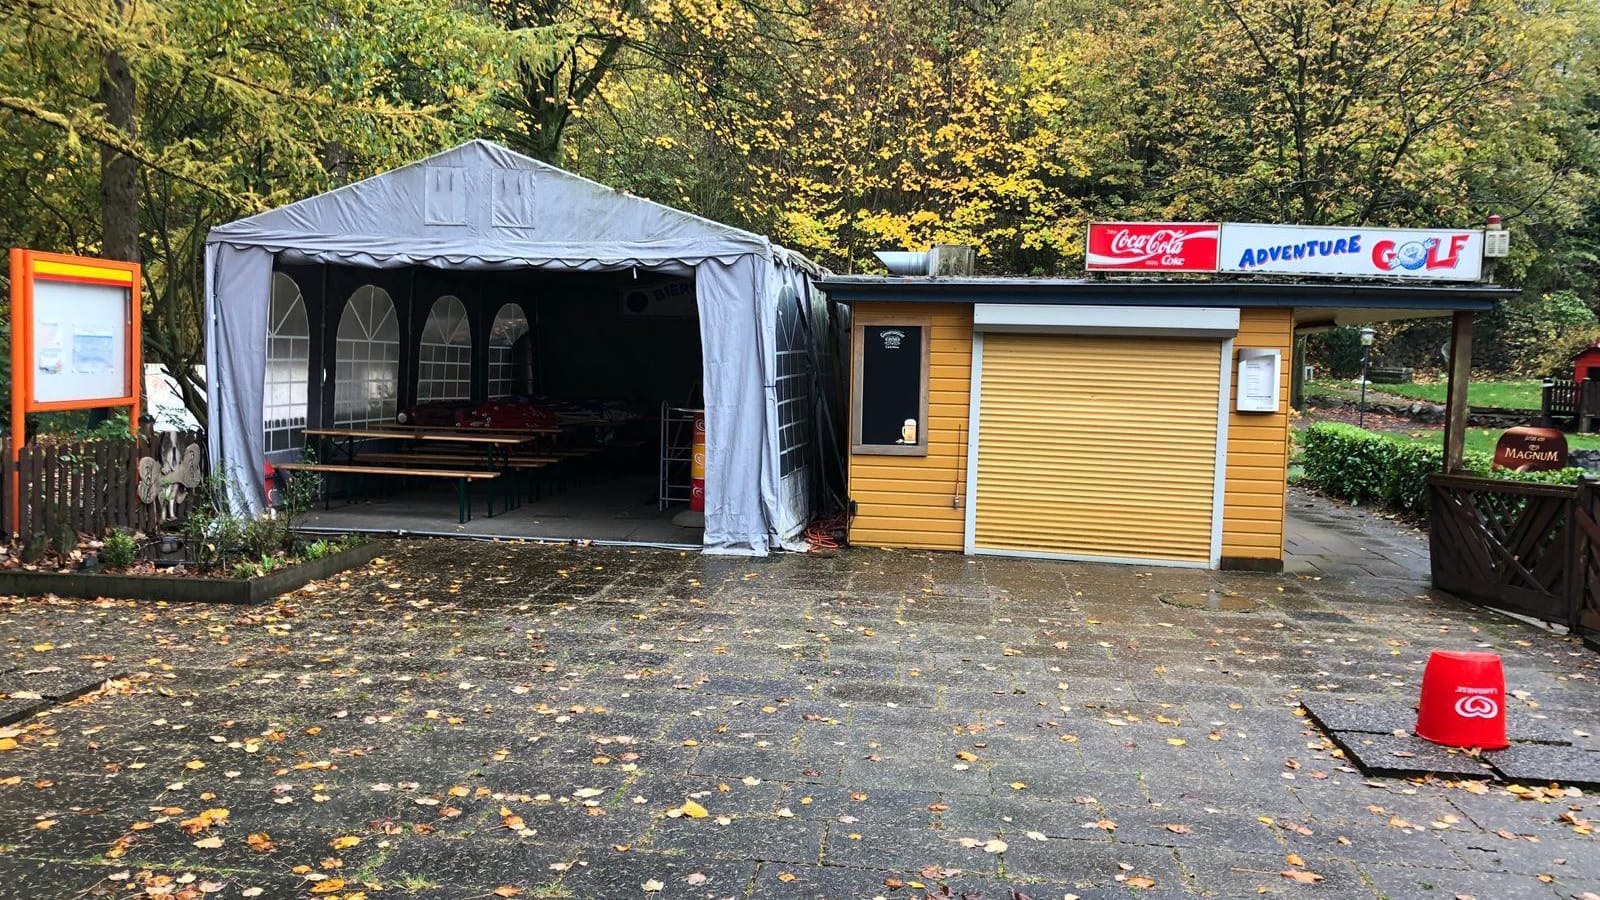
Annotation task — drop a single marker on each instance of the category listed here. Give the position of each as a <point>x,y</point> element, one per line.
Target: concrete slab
<point>618,510</point>
<point>487,715</point>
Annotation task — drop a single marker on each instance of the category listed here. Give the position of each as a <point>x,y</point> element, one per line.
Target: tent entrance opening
<point>554,381</point>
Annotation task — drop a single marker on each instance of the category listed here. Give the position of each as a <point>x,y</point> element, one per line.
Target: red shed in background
<point>1586,364</point>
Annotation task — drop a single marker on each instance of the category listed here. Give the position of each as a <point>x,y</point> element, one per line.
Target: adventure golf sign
<point>1237,248</point>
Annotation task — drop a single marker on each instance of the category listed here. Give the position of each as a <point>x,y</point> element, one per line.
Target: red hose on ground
<point>820,533</point>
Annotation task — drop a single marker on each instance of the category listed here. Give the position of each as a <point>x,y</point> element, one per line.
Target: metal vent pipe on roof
<point>943,259</point>
<point>902,262</point>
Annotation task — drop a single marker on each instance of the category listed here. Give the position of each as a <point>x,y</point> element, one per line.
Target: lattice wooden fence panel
<point>1504,543</point>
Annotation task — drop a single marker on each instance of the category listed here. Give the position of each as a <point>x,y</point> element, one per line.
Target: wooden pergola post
<point>1455,406</point>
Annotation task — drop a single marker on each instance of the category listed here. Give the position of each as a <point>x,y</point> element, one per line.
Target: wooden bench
<point>516,488</point>
<point>463,459</point>
<point>462,478</point>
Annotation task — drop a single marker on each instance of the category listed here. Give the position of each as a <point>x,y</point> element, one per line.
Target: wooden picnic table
<point>349,436</point>
<point>412,433</point>
<point>498,446</point>
<point>497,455</point>
<point>470,429</point>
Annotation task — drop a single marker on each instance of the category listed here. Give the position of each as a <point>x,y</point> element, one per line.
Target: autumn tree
<point>921,124</point>
<point>1012,127</point>
<point>236,107</point>
<point>600,46</point>
<point>1387,111</point>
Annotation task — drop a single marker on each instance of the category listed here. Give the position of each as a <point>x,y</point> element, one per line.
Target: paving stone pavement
<point>533,719</point>
<point>1328,538</point>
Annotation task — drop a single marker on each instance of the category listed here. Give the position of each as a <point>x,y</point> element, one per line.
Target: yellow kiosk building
<point>1132,420</point>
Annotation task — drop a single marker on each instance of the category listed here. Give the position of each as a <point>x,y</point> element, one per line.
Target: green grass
<point>1484,439</point>
<point>1525,394</point>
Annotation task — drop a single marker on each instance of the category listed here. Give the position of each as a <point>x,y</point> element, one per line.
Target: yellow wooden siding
<point>1258,449</point>
<point>908,501</point>
<point>1090,446</point>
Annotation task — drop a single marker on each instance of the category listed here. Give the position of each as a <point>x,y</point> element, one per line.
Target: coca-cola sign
<point>1153,247</point>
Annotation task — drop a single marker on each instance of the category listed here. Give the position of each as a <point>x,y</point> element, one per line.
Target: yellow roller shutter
<point>1097,446</point>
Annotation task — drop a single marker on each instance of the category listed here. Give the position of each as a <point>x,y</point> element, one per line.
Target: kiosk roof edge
<point>1243,293</point>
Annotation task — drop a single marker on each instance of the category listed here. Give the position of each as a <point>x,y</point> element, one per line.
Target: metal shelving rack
<point>677,450</point>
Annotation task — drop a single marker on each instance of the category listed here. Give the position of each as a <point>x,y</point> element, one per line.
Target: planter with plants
<point>213,555</point>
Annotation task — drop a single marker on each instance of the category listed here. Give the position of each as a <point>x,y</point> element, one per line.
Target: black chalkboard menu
<point>891,388</point>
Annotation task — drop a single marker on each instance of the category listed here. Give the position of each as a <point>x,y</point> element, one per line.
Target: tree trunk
<point>119,198</point>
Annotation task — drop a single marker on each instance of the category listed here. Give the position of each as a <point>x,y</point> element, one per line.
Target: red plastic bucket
<point>1463,700</point>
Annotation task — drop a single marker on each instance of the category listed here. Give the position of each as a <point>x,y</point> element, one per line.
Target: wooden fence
<point>1532,549</point>
<point>91,486</point>
<point>1571,404</point>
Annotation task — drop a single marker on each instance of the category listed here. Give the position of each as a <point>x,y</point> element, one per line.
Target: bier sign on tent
<point>670,298</point>
<point>1432,254</point>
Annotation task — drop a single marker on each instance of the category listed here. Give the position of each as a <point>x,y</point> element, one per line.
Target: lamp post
<point>1367,334</point>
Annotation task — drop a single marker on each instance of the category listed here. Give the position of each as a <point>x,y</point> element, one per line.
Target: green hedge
<point>1346,462</point>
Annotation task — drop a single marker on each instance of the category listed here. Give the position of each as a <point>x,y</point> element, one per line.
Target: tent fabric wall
<point>236,363</point>
<point>795,490</point>
<point>481,206</point>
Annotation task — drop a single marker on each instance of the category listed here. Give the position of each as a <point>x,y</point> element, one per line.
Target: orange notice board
<point>75,337</point>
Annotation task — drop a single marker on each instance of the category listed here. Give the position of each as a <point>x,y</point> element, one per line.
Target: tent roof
<point>482,205</point>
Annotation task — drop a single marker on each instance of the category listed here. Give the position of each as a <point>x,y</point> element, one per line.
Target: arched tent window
<point>366,376</point>
<point>283,397</point>
<point>510,324</point>
<point>444,359</point>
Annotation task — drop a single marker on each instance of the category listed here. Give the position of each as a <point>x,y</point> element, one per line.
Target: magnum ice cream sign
<point>1531,450</point>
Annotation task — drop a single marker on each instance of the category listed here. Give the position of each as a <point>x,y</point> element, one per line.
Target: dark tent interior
<point>592,361</point>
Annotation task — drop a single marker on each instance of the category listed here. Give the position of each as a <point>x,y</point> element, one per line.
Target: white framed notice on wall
<point>75,340</point>
<point>75,321</point>
<point>80,342</point>
<point>1259,374</point>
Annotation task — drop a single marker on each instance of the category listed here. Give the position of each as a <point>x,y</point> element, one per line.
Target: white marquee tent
<point>481,206</point>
